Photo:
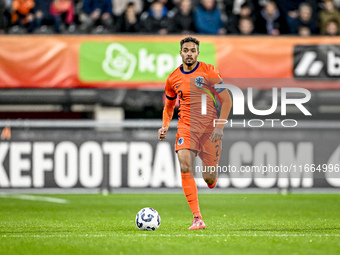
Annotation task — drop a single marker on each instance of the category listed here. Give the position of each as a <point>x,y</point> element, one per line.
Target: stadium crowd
<point>219,17</point>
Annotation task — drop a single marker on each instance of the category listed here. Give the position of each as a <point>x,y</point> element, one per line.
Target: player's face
<point>189,53</point>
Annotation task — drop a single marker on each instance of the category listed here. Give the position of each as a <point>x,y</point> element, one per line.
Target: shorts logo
<point>199,81</point>
<point>180,141</point>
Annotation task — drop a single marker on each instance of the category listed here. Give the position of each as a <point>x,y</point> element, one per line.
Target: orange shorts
<point>209,152</point>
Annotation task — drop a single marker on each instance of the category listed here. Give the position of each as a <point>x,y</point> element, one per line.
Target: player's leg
<point>210,155</point>
<point>186,147</point>
<point>186,159</point>
<point>210,175</point>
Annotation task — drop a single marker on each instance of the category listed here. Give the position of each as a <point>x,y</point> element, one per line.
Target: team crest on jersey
<point>199,81</point>
<point>180,141</point>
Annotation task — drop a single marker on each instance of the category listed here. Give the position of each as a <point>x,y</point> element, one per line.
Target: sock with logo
<point>190,192</point>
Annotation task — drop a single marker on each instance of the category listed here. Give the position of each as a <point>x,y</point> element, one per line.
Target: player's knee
<point>185,167</point>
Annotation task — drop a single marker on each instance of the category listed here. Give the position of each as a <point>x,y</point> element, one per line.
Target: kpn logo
<point>131,61</point>
<point>317,62</point>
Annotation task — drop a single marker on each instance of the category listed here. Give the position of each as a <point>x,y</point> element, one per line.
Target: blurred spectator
<point>245,12</point>
<point>168,4</point>
<point>304,31</point>
<point>2,16</point>
<point>155,20</point>
<point>121,5</point>
<point>337,3</point>
<point>97,13</point>
<point>22,14</point>
<point>42,13</point>
<point>196,3</point>
<point>234,6</point>
<point>332,28</point>
<point>228,7</point>
<point>272,17</point>
<point>290,10</point>
<point>270,20</point>
<point>62,12</point>
<point>128,22</point>
<point>304,18</point>
<point>260,4</point>
<point>7,14</point>
<point>328,13</point>
<point>290,7</point>
<point>207,18</point>
<point>182,19</point>
<point>246,26</point>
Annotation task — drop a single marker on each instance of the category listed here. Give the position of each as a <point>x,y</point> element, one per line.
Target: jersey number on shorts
<point>218,150</point>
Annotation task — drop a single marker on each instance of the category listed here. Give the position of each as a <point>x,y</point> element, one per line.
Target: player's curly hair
<point>190,39</point>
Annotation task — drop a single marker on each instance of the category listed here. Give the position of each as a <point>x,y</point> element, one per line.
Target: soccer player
<point>197,134</point>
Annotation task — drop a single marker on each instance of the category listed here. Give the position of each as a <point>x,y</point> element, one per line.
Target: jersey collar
<point>193,70</point>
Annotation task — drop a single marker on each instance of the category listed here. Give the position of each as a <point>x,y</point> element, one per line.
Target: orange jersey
<point>189,87</point>
<point>23,6</point>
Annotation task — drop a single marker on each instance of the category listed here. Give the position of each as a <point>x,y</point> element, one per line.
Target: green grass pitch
<point>236,224</point>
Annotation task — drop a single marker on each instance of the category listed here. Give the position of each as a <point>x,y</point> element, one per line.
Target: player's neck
<point>187,68</point>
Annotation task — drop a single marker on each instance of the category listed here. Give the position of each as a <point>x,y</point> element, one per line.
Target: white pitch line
<point>163,235</point>
<point>35,198</point>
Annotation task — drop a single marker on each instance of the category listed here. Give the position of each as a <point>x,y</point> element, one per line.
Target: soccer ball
<point>148,219</point>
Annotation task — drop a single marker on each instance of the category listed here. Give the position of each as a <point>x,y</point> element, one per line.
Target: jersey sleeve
<point>170,102</point>
<point>215,78</point>
<point>169,91</point>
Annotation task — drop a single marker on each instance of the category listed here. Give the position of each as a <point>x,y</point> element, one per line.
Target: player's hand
<point>162,133</point>
<point>216,135</point>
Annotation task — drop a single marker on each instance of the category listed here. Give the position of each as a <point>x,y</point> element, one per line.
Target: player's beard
<point>190,63</point>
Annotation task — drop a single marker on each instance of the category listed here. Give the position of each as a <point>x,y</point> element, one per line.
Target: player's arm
<point>223,94</point>
<point>226,104</point>
<point>168,110</point>
<point>217,133</point>
<point>225,107</point>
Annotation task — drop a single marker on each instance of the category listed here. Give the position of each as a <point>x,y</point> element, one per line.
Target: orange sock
<point>190,192</point>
